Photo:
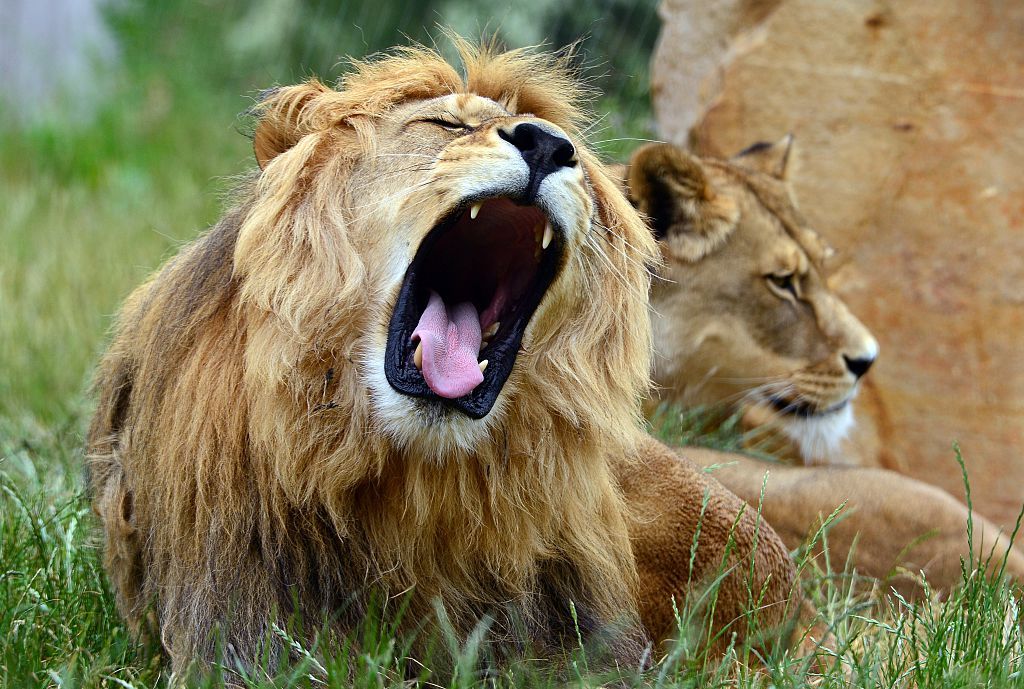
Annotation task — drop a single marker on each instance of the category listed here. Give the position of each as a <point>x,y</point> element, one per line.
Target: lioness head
<point>743,312</point>
<point>485,256</point>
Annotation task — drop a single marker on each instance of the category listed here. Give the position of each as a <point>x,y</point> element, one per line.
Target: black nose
<point>858,367</point>
<point>543,152</point>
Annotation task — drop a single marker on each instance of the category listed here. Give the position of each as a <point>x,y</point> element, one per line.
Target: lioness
<point>746,314</point>
<point>377,374</point>
<point>743,315</point>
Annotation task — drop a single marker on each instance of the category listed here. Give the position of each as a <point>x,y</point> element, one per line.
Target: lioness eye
<point>783,283</point>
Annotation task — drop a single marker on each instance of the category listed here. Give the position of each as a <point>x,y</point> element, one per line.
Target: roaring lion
<point>408,362</point>
<point>743,315</point>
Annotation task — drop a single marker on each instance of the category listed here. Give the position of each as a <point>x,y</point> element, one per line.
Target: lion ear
<point>773,159</point>
<point>284,118</point>
<point>672,189</point>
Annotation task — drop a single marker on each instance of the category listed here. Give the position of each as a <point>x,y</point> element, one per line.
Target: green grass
<point>59,626</point>
<point>88,211</point>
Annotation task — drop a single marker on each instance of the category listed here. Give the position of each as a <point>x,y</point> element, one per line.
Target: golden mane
<point>541,84</point>
<point>239,456</point>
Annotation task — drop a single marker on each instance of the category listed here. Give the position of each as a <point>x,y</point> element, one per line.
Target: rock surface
<point>909,121</point>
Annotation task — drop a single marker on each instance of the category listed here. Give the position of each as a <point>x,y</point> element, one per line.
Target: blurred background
<point>120,134</point>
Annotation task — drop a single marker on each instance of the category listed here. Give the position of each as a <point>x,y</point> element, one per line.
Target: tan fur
<point>688,530</point>
<point>719,331</point>
<point>249,460</point>
<point>893,528</point>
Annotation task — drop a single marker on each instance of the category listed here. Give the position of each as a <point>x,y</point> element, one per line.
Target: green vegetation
<point>92,205</point>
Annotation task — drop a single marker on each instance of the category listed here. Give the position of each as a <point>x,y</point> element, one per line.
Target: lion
<point>409,362</point>
<point>746,280</point>
<point>743,316</point>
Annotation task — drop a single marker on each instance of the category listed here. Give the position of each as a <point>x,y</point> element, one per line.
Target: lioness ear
<point>770,158</point>
<point>284,119</point>
<point>672,189</point>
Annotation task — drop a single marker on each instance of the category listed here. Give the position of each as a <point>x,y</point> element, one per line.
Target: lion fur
<point>234,456</point>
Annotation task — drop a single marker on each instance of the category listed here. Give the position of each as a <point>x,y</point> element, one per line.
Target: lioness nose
<point>858,367</point>
<point>544,152</point>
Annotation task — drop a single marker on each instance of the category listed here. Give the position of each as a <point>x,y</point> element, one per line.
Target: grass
<point>88,211</point>
<point>59,626</point>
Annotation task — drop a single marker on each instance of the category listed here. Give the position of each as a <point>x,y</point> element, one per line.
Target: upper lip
<point>495,253</point>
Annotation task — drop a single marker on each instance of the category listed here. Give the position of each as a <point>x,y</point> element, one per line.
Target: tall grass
<point>59,626</point>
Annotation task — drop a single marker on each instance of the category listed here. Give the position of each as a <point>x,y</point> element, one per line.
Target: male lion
<point>743,316</point>
<point>407,362</point>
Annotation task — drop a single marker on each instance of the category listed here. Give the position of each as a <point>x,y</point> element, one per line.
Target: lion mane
<point>248,459</point>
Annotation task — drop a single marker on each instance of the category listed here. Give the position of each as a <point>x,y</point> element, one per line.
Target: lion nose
<point>858,367</point>
<point>544,152</point>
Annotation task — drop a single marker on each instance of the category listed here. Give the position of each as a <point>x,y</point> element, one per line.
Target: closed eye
<point>450,125</point>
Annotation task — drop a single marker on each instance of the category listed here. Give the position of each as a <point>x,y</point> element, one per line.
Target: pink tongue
<point>451,347</point>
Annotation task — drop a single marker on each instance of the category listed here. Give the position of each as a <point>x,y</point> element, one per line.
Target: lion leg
<point>675,505</point>
<point>565,618</point>
<point>892,529</point>
<point>195,625</point>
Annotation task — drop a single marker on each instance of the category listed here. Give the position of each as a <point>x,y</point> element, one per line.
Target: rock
<point>909,120</point>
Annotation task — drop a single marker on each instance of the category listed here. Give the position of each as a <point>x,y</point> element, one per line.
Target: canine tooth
<point>417,357</point>
<point>549,234</point>
<point>491,329</point>
<point>475,210</point>
<point>483,365</point>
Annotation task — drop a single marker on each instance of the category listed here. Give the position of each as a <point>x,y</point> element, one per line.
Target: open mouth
<point>803,410</point>
<point>466,300</point>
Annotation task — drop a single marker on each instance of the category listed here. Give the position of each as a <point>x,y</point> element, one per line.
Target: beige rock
<point>909,119</point>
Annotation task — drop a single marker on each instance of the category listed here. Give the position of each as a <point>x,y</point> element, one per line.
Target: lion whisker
<point>611,231</point>
<point>629,138</point>
<point>403,193</point>
<point>616,273</point>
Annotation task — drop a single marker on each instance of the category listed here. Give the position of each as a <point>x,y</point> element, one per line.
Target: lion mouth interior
<point>466,300</point>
